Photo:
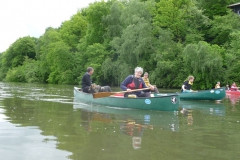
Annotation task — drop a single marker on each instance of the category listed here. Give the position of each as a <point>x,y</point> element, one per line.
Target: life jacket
<point>146,81</point>
<point>188,85</point>
<point>133,86</point>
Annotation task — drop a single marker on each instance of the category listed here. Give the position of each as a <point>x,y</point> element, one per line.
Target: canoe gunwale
<point>161,103</point>
<point>211,94</point>
<point>159,96</point>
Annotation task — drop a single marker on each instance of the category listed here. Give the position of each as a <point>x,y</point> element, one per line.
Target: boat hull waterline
<point>169,102</point>
<point>212,94</point>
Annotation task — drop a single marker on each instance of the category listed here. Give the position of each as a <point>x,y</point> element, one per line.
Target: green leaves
<point>170,39</point>
<point>205,61</point>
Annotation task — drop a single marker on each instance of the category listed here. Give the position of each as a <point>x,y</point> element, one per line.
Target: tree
<point>214,7</point>
<point>16,53</point>
<point>96,29</point>
<point>232,58</point>
<point>222,27</point>
<point>205,62</point>
<point>172,14</point>
<point>168,59</point>
<point>94,57</point>
<point>73,30</point>
<point>135,43</point>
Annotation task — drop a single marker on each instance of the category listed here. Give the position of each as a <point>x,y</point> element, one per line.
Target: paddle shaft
<point>134,90</point>
<point>106,94</point>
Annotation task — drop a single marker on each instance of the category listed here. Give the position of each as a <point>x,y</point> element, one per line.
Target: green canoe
<point>168,102</point>
<point>212,94</point>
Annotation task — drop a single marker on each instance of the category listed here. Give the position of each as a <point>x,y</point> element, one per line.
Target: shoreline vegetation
<point>169,39</point>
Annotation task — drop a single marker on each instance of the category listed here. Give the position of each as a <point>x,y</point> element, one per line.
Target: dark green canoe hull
<point>168,102</point>
<point>212,94</point>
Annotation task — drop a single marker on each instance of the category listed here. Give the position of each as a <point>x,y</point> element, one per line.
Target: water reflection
<point>131,122</point>
<point>207,107</point>
<point>189,108</point>
<point>234,99</point>
<point>43,122</point>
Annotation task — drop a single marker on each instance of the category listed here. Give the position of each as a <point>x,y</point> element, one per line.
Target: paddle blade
<point>103,94</point>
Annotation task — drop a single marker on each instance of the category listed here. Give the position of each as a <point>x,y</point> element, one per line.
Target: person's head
<point>145,75</point>
<point>138,72</point>
<point>218,82</point>
<point>190,78</point>
<point>90,70</point>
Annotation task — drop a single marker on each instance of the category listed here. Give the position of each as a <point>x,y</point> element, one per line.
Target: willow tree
<point>168,61</point>
<point>204,61</point>
<point>134,46</point>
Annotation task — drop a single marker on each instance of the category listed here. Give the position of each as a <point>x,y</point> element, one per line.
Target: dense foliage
<point>170,39</point>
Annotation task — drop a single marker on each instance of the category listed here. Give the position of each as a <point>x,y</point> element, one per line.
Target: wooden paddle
<point>106,94</point>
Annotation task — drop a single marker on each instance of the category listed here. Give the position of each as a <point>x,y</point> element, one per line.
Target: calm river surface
<point>42,122</point>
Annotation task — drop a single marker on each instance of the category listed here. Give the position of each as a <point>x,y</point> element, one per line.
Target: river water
<point>40,121</point>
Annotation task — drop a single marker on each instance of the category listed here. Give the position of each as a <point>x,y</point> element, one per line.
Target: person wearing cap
<point>147,82</point>
<point>133,82</point>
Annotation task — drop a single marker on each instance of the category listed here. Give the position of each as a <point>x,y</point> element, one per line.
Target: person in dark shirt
<point>89,87</point>
<point>187,85</point>
<point>135,82</point>
<point>86,80</point>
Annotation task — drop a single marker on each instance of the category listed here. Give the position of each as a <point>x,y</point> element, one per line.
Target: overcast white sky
<point>20,18</point>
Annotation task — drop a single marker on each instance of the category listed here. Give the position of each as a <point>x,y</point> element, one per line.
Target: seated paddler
<point>217,85</point>
<point>234,87</point>
<point>133,82</point>
<point>147,82</point>
<point>89,87</point>
<point>187,85</point>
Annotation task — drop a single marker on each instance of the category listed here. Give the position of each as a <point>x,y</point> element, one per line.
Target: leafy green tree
<point>214,7</point>
<point>172,14</point>
<point>113,22</point>
<point>61,63</point>
<point>94,56</point>
<point>135,43</point>
<point>204,61</point>
<point>232,58</point>
<point>28,72</point>
<point>222,27</point>
<point>14,56</point>
<point>195,23</point>
<point>73,30</point>
<point>50,36</point>
<point>96,29</point>
<point>168,60</point>
<point>19,49</point>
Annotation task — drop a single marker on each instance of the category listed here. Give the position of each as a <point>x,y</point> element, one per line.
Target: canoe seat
<point>119,95</point>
